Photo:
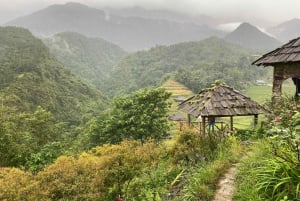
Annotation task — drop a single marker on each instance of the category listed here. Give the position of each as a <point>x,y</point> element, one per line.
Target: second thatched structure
<point>220,101</point>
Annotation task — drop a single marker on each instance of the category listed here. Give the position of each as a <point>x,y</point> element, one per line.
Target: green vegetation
<point>193,64</point>
<point>58,143</point>
<point>275,160</point>
<point>148,171</point>
<point>247,176</point>
<point>140,116</point>
<point>31,77</point>
<point>91,59</point>
<point>264,93</point>
<point>42,104</point>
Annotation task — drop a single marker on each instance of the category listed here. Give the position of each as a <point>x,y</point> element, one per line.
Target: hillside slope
<point>194,64</point>
<point>91,59</point>
<point>32,77</point>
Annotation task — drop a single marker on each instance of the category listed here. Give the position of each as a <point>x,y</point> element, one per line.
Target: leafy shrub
<point>153,183</point>
<point>70,179</point>
<point>244,134</point>
<point>278,178</point>
<point>15,184</point>
<point>190,148</point>
<point>44,157</point>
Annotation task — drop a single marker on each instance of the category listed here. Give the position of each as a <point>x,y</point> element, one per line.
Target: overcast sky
<point>273,11</point>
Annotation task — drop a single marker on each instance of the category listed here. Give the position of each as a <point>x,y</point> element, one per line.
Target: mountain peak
<point>247,35</point>
<point>70,6</point>
<point>245,26</point>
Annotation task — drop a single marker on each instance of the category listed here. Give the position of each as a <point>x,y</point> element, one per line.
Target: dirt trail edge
<point>226,185</point>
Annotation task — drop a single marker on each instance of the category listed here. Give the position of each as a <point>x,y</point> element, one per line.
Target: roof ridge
<point>286,53</point>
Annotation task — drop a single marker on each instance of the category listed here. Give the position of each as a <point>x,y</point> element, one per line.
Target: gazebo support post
<point>255,120</point>
<point>203,125</point>
<point>189,120</point>
<point>231,123</point>
<point>277,85</point>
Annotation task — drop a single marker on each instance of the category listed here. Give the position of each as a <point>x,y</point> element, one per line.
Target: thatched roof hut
<point>221,101</point>
<point>286,62</point>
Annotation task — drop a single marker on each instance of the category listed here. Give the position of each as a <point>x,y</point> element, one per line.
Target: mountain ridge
<point>142,34</point>
<point>287,30</point>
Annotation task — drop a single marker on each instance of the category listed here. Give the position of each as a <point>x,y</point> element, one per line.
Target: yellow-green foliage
<point>15,184</point>
<point>96,175</point>
<point>176,88</point>
<point>70,179</point>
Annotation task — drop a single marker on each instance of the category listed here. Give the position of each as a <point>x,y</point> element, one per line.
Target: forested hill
<point>89,58</point>
<point>194,64</point>
<point>30,77</point>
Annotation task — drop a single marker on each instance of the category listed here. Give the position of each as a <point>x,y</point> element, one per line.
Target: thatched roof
<point>220,101</point>
<point>289,52</point>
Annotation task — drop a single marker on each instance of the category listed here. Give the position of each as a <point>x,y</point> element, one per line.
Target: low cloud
<point>278,10</point>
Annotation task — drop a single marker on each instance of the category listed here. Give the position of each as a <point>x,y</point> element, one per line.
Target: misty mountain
<point>286,31</point>
<point>162,14</point>
<point>30,77</point>
<point>130,33</point>
<point>194,64</point>
<point>249,36</point>
<point>91,59</point>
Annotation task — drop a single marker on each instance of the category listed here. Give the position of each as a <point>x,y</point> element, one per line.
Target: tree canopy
<point>139,116</point>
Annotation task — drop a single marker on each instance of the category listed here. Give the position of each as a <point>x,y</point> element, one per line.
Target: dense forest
<point>31,76</point>
<point>194,64</point>
<point>42,103</point>
<point>91,59</point>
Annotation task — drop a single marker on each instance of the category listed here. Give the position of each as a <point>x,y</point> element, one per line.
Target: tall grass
<point>202,180</point>
<point>246,180</point>
<point>279,180</point>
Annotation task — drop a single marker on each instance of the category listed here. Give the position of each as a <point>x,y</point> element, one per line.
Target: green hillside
<point>89,58</point>
<point>176,88</point>
<point>194,64</point>
<point>30,77</point>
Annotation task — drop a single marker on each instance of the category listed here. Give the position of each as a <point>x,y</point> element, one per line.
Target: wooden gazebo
<point>286,63</point>
<point>220,101</point>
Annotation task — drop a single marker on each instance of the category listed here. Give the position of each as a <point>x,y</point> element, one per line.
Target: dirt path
<point>226,185</point>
